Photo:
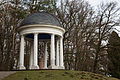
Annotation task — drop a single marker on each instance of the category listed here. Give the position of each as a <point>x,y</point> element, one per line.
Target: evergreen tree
<point>114,55</point>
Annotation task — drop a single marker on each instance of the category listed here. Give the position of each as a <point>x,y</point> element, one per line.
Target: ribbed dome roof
<point>40,18</point>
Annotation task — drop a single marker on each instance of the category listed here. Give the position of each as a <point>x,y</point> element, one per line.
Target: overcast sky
<point>94,3</point>
<point>97,2</point>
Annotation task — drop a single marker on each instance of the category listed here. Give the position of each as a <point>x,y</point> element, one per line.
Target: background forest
<point>90,42</point>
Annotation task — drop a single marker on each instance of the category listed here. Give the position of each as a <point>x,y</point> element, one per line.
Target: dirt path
<point>5,74</point>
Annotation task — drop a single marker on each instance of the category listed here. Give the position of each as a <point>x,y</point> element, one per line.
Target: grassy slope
<point>56,75</point>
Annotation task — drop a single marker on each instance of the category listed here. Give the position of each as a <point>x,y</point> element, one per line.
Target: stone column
<point>52,52</point>
<point>57,53</point>
<point>31,56</point>
<point>45,56</point>
<point>61,53</point>
<point>36,51</point>
<point>21,64</point>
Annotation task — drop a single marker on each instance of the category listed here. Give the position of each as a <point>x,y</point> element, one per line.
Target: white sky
<point>95,3</point>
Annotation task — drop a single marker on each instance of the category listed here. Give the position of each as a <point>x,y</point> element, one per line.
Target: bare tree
<point>106,19</point>
<point>86,34</point>
<point>76,18</point>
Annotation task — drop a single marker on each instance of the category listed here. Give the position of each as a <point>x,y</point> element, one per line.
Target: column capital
<point>61,37</point>
<point>36,33</point>
<point>22,35</point>
<point>52,34</point>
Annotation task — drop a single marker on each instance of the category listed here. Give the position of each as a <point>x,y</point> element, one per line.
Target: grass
<point>56,75</point>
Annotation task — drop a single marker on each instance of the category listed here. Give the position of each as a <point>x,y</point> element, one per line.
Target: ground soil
<point>5,74</point>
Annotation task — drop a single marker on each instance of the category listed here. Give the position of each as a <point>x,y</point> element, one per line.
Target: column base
<point>22,68</point>
<point>61,67</point>
<point>34,67</point>
<point>45,68</point>
<point>52,67</point>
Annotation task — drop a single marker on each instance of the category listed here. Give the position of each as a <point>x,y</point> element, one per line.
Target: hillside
<point>56,75</point>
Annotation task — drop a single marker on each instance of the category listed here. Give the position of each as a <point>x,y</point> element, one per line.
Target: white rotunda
<point>46,27</point>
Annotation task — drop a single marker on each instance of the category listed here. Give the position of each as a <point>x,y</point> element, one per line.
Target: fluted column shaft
<point>61,52</point>
<point>31,56</point>
<point>21,64</point>
<point>45,56</point>
<point>52,57</point>
<point>57,53</point>
<point>36,51</point>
